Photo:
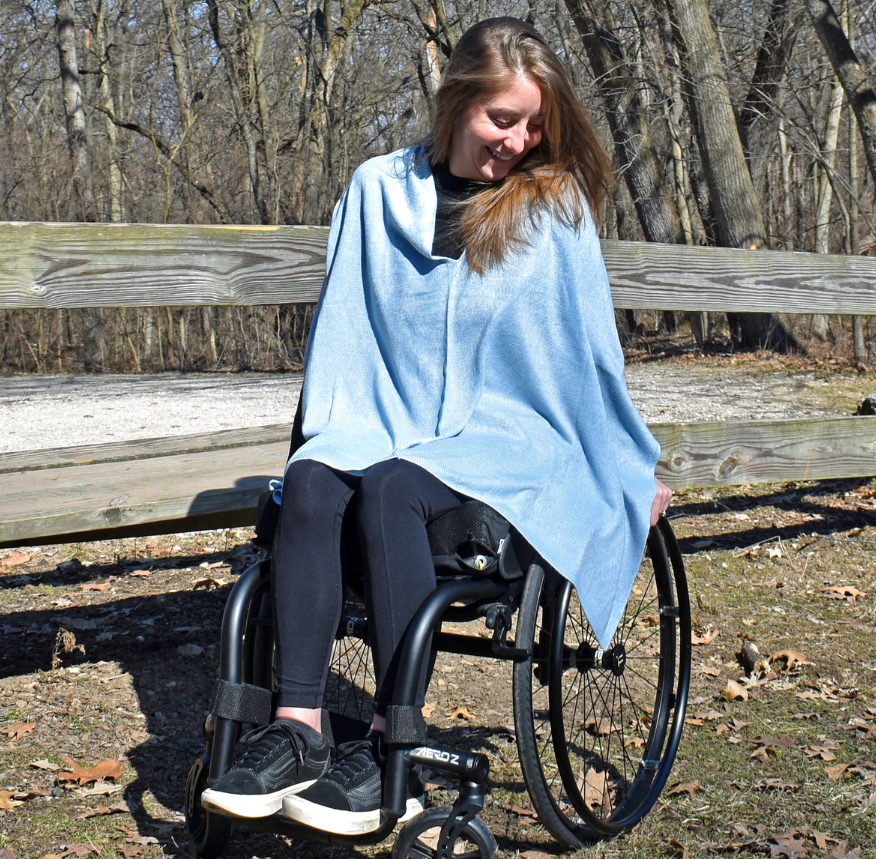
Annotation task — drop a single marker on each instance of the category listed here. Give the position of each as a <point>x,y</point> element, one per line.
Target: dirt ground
<point>108,659</point>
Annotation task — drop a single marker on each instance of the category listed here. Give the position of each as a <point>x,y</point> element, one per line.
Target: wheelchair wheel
<point>420,838</point>
<point>350,687</point>
<point>597,731</point>
<point>208,833</point>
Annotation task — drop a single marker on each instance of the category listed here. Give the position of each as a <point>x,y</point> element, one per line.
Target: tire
<point>208,833</point>
<point>597,733</point>
<point>419,838</point>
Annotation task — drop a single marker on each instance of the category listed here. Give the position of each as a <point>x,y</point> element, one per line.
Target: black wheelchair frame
<point>597,730</point>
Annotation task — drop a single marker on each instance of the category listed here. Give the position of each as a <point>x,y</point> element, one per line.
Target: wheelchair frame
<point>548,668</point>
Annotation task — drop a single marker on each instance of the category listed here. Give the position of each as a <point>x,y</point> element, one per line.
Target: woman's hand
<point>661,501</point>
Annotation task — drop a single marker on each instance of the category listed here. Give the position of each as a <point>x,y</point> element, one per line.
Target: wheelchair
<point>597,730</point>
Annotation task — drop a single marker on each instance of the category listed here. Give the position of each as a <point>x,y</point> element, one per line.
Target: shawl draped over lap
<point>507,386</point>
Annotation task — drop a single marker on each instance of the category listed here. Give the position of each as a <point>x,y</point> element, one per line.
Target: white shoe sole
<point>249,805</point>
<point>340,822</point>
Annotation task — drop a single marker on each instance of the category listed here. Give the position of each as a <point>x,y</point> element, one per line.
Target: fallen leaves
<point>101,810</point>
<point>689,787</point>
<point>18,730</point>
<point>14,559</point>
<point>791,658</point>
<point>733,691</point>
<point>8,801</point>
<point>844,592</point>
<point>108,769</point>
<point>460,713</point>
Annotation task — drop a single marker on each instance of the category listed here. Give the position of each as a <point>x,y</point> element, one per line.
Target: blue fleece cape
<point>507,386</point>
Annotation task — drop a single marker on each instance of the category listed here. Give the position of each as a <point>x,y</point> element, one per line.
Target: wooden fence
<point>188,482</point>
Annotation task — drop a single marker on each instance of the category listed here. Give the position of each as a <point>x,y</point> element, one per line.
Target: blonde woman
<point>464,347</point>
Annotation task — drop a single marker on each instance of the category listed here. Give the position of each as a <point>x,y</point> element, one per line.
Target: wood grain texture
<point>734,452</point>
<point>141,265</point>
<point>192,482</point>
<point>210,488</point>
<point>138,265</point>
<point>91,454</point>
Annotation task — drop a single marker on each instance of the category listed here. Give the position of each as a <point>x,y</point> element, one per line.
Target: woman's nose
<point>515,141</point>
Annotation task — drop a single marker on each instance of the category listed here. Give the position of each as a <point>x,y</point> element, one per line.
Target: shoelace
<point>258,742</point>
<point>350,758</point>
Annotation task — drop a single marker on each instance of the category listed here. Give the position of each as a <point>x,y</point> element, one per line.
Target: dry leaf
<point>535,854</point>
<point>790,657</point>
<point>18,730</point>
<point>733,690</point>
<point>711,672</point>
<point>7,803</point>
<point>776,742</point>
<point>594,787</point>
<point>428,710</point>
<point>834,773</point>
<point>101,810</point>
<point>844,592</point>
<point>824,751</point>
<point>79,850</point>
<point>775,784</point>
<point>789,844</point>
<point>102,586</point>
<point>706,638</point>
<point>99,789</point>
<point>129,850</point>
<point>105,769</point>
<point>460,713</point>
<point>14,559</point>
<point>598,727</point>
<point>763,752</point>
<point>681,850</point>
<point>523,811</point>
<point>45,765</point>
<point>138,735</point>
<point>689,787</point>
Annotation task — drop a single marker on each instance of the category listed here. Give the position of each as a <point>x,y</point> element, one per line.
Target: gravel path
<point>61,411</point>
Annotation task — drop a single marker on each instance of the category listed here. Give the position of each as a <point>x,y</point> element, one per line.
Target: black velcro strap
<point>241,702</point>
<point>405,725</point>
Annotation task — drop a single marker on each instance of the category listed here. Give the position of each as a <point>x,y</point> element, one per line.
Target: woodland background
<point>736,124</point>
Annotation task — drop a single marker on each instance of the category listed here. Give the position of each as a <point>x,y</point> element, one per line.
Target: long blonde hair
<point>568,164</point>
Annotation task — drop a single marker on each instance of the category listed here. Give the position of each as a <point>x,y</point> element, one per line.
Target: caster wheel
<point>208,833</point>
<point>420,838</point>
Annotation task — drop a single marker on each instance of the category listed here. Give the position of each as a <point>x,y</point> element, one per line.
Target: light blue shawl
<point>507,386</point>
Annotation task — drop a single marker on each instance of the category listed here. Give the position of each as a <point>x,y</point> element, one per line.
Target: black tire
<point>419,839</point>
<point>208,833</point>
<point>597,732</point>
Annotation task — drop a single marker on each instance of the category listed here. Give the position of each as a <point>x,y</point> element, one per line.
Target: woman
<point>464,348</point>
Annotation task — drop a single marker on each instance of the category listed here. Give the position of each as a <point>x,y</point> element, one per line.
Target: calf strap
<point>242,702</point>
<point>405,725</point>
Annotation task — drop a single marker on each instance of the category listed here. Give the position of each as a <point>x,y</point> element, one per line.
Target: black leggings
<point>389,507</point>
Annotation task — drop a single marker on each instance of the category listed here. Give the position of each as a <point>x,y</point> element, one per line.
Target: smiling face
<point>494,134</point>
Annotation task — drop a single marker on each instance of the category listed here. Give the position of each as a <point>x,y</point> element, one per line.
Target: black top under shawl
<point>452,191</point>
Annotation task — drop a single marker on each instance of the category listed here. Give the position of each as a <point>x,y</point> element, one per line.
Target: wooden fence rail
<point>202,481</point>
<point>140,265</point>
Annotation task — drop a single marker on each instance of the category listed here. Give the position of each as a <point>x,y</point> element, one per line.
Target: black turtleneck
<point>451,192</point>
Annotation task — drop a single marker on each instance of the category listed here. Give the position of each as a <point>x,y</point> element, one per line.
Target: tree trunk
<point>65,25</point>
<point>738,219</point>
<point>772,56</point>
<point>636,152</point>
<point>847,67</point>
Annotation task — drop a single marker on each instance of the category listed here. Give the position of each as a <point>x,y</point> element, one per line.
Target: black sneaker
<point>346,800</point>
<point>285,757</point>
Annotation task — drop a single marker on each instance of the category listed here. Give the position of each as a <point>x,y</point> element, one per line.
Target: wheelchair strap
<point>405,725</point>
<point>242,702</point>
